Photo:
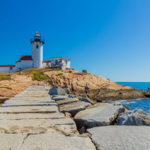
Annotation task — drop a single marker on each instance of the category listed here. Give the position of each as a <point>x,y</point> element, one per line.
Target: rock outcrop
<point>79,83</point>
<point>10,88</point>
<point>97,87</point>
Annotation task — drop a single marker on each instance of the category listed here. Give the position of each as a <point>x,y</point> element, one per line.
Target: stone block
<point>58,142</point>
<point>121,137</point>
<point>26,116</point>
<point>28,109</point>
<point>66,101</point>
<point>98,116</point>
<point>73,108</point>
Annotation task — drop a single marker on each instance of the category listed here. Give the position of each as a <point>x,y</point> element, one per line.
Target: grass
<point>57,69</point>
<point>39,76</point>
<point>0,83</point>
<point>27,71</point>
<point>35,73</point>
<point>60,74</point>
<point>5,78</point>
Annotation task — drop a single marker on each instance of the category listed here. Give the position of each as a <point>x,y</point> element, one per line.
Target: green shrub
<point>5,78</point>
<point>60,74</point>
<point>57,69</point>
<point>39,76</point>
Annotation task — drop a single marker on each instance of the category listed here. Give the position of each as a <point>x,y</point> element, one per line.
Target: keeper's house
<point>36,59</point>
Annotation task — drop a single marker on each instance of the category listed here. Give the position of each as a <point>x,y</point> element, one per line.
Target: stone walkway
<point>32,121</point>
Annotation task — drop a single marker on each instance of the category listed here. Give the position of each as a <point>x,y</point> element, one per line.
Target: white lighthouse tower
<point>37,51</point>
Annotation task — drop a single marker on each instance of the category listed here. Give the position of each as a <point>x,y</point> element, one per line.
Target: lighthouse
<point>37,51</point>
<point>36,59</point>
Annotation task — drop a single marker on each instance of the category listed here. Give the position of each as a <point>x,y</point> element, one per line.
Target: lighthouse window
<point>37,46</point>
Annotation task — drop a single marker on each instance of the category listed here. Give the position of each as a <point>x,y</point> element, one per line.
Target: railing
<point>37,40</point>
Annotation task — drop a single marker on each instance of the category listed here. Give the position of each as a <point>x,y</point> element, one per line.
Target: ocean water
<point>137,104</point>
<point>137,85</point>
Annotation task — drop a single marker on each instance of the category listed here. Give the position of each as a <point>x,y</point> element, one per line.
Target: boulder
<point>98,116</point>
<point>56,90</point>
<point>59,97</point>
<point>3,99</point>
<point>88,134</point>
<point>140,118</point>
<point>47,88</point>
<point>88,100</point>
<point>148,89</point>
<point>126,107</point>
<point>68,115</point>
<point>145,116</point>
<point>73,108</point>
<point>84,71</point>
<point>121,137</point>
<point>67,90</point>
<point>117,103</point>
<point>71,96</point>
<point>82,130</point>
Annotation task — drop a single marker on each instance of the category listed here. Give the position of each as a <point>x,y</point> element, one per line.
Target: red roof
<point>37,34</point>
<point>7,65</point>
<point>17,61</point>
<point>23,57</point>
<point>46,61</point>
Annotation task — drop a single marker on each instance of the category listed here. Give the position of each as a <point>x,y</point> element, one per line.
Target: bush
<point>57,69</point>
<point>59,74</point>
<point>39,76</point>
<point>5,78</point>
<point>84,71</point>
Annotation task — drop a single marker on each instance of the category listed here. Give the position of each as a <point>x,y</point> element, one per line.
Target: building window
<point>37,46</point>
<point>56,61</point>
<point>11,68</point>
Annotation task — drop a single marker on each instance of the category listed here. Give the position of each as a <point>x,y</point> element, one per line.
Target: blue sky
<point>110,38</point>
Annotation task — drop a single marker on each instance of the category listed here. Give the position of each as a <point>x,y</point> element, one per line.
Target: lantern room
<point>37,38</point>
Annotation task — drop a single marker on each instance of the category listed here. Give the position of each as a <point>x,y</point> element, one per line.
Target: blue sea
<point>137,104</point>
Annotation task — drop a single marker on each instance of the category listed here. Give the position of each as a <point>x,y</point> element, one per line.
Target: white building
<point>36,59</point>
<point>60,61</point>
